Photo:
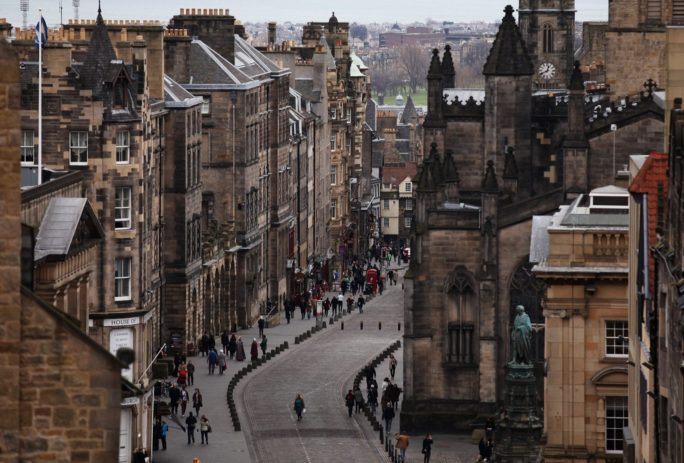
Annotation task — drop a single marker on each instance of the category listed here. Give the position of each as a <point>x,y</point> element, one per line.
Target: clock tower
<point>548,29</point>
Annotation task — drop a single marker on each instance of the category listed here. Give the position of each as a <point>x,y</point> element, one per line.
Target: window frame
<point>333,142</point>
<point>120,147</point>
<point>408,204</point>
<point>127,278</point>
<point>407,222</point>
<point>547,38</point>
<point>408,187</point>
<point>73,147</point>
<point>333,208</point>
<point>24,146</point>
<point>333,175</point>
<point>618,440</point>
<point>613,341</point>
<point>205,108</point>
<point>121,207</point>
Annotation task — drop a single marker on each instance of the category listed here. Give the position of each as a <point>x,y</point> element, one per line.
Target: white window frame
<point>407,222</point>
<point>333,142</point>
<point>385,204</point>
<point>206,105</point>
<point>333,208</point>
<point>123,147</point>
<point>408,204</point>
<point>26,147</point>
<point>80,147</point>
<point>408,187</point>
<point>122,208</point>
<point>613,329</point>
<point>333,175</point>
<point>122,278</point>
<point>613,409</point>
<point>333,113</point>
<point>385,222</point>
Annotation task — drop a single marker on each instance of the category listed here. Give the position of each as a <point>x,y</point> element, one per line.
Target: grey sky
<point>364,11</point>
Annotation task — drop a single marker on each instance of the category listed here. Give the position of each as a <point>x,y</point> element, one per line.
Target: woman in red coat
<point>255,350</point>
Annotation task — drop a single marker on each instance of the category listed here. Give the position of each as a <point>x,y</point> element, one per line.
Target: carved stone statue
<point>521,336</point>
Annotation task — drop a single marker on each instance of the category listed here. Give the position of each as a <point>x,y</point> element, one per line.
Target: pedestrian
<point>182,375</point>
<point>197,401</point>
<point>381,284</point>
<point>326,306</point>
<point>254,350</point>
<point>385,385</point>
<point>204,344</point>
<point>205,429</point>
<point>349,401</point>
<point>392,365</point>
<point>299,406</point>
<point>139,455</point>
<point>302,309</point>
<point>224,340</point>
<point>263,345</point>
<point>239,350</point>
<point>212,342</point>
<point>427,448</point>
<point>482,447</point>
<point>221,361</point>
<point>373,397</point>
<point>190,423</point>
<point>261,323</point>
<point>350,304</point>
<point>358,399</point>
<point>390,277</point>
<point>402,444</point>
<point>360,302</point>
<point>164,433</point>
<point>174,398</point>
<point>287,312</point>
<point>388,416</point>
<point>184,400</point>
<point>176,363</point>
<point>489,429</point>
<point>340,302</point>
<point>156,434</point>
<point>232,345</point>
<point>190,368</point>
<point>212,361</point>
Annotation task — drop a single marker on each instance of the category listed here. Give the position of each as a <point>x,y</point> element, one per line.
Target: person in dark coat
<point>254,350</point>
<point>299,407</point>
<point>224,341</point>
<point>388,416</point>
<point>349,402</point>
<point>174,397</point>
<point>204,344</point>
<point>427,448</point>
<point>240,350</point>
<point>190,423</point>
<point>262,325</point>
<point>212,342</point>
<point>263,344</point>
<point>232,345</point>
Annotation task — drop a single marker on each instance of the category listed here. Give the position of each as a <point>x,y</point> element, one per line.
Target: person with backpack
<point>349,401</point>
<point>299,406</point>
<point>388,416</point>
<point>212,361</point>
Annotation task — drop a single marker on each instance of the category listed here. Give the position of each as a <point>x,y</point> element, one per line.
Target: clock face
<point>547,71</point>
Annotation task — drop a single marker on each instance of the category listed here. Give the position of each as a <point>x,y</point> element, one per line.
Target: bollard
<point>286,345</point>
<point>381,436</point>
<point>362,325</point>
<point>379,325</point>
<point>331,321</point>
<point>399,327</point>
<point>324,325</point>
<point>342,325</point>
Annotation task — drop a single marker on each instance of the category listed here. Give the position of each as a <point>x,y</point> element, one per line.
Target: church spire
<point>508,55</point>
<point>576,79</point>
<point>489,183</point>
<point>448,72</point>
<point>98,57</point>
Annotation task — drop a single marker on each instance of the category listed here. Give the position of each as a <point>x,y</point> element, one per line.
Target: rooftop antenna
<point>24,7</point>
<point>61,12</point>
<point>76,4</point>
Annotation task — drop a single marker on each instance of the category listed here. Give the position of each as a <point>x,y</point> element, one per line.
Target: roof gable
<point>508,55</point>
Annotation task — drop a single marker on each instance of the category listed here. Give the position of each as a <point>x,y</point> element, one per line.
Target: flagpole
<point>40,97</point>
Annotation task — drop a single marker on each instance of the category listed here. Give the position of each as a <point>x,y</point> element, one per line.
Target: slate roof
<point>175,96</point>
<point>251,61</point>
<point>100,55</point>
<point>59,224</point>
<point>207,66</point>
<point>409,111</point>
<point>508,55</point>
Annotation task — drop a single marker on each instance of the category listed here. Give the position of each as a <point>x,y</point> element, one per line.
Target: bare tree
<point>414,60</point>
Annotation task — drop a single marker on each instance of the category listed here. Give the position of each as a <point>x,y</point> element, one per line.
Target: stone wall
<point>632,58</point>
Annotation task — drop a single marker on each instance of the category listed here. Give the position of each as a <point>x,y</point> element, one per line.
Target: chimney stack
<point>271,34</point>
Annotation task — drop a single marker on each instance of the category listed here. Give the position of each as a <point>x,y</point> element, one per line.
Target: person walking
<point>402,444</point>
<point>205,429</point>
<point>387,416</point>
<point>350,304</point>
<point>182,375</point>
<point>373,397</point>
<point>261,323</point>
<point>340,302</point>
<point>360,302</point>
<point>204,344</point>
<point>349,401</point>
<point>190,367</point>
<point>254,350</point>
<point>299,406</point>
<point>184,400</point>
<point>232,345</point>
<point>212,361</point>
<point>358,399</point>
<point>197,401</point>
<point>190,423</point>
<point>156,434</point>
<point>427,448</point>
<point>164,433</point>
<point>287,312</point>
<point>392,365</point>
<point>263,344</point>
<point>221,361</point>
<point>224,341</point>
<point>240,350</point>
<point>174,398</point>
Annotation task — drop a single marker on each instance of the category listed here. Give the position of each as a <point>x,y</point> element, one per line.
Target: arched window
<point>548,38</point>
<point>461,313</point>
<point>527,290</point>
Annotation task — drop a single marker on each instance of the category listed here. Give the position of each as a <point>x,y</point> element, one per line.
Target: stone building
<point>582,258</point>
<point>494,162</point>
<point>63,391</point>
<point>245,138</point>
<point>397,199</point>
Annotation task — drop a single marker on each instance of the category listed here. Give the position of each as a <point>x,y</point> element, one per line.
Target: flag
<point>41,33</point>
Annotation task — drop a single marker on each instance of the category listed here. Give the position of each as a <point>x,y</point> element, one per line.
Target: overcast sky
<point>364,11</point>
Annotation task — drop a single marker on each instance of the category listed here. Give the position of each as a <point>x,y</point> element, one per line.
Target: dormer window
<point>120,91</point>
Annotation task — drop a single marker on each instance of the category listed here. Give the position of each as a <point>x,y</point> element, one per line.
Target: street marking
<point>299,436</point>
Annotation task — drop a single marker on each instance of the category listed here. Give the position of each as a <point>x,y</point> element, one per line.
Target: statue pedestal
<point>520,425</point>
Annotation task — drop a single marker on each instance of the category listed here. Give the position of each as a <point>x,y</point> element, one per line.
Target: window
<point>678,12</point>
<point>122,279</point>
<point>407,222</point>
<point>123,147</point>
<point>333,142</point>
<point>408,187</point>
<point>461,315</point>
<point>333,208</point>
<point>333,113</point>
<point>548,39</point>
<point>385,204</point>
<point>385,221</point>
<point>206,105</point>
<point>616,419</point>
<point>333,175</point>
<point>78,147</point>
<point>27,147</point>
<point>408,205</point>
<point>122,208</point>
<point>616,338</point>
